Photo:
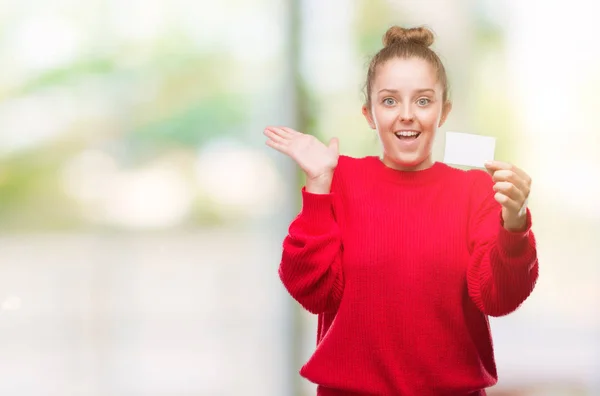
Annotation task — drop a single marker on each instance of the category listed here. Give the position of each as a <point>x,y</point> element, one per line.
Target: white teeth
<point>407,133</point>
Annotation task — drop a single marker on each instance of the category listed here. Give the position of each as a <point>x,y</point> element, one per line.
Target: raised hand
<point>512,186</point>
<point>313,157</point>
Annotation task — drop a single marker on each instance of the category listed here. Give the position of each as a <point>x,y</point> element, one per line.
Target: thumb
<point>489,168</point>
<point>334,144</point>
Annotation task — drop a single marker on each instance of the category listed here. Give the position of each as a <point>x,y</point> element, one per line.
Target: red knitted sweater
<point>403,270</point>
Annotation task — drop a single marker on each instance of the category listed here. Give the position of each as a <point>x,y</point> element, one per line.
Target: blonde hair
<point>404,43</point>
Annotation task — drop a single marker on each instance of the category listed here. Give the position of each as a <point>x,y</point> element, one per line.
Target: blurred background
<point>141,215</point>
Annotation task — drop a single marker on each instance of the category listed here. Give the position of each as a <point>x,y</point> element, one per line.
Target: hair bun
<point>399,35</point>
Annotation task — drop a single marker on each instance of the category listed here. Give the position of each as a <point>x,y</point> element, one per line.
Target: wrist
<point>516,224</point>
<point>320,184</point>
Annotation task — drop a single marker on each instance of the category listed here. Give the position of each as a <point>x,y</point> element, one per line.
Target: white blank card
<point>468,149</point>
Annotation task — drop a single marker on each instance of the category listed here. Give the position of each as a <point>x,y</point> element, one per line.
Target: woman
<point>402,258</point>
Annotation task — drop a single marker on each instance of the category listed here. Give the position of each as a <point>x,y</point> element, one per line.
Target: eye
<point>389,101</point>
<point>423,102</point>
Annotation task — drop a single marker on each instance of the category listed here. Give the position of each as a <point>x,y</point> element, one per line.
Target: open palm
<point>312,156</point>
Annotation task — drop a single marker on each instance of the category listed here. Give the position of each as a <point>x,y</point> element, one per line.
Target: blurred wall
<point>141,216</point>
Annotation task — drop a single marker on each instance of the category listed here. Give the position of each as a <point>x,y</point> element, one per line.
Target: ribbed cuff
<point>317,206</point>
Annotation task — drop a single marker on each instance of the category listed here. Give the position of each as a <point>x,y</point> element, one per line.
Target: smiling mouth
<point>407,135</point>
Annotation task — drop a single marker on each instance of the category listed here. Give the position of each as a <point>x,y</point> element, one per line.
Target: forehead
<point>405,74</point>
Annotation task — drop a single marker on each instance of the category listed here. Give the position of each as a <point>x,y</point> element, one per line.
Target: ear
<point>445,111</point>
<point>367,113</point>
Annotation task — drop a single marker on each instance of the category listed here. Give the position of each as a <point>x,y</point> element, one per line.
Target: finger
<point>522,174</point>
<point>334,144</point>
<point>290,131</point>
<point>493,166</point>
<point>508,203</point>
<point>511,177</point>
<point>280,132</point>
<point>275,137</point>
<point>277,146</point>
<point>512,192</point>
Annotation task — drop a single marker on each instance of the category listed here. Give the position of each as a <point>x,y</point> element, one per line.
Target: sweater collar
<point>431,174</point>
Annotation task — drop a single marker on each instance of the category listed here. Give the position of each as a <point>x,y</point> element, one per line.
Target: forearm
<point>503,273</point>
<point>310,267</point>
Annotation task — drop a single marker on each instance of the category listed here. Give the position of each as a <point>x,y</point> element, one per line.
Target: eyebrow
<point>395,91</point>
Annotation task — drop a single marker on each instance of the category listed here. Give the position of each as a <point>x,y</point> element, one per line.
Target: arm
<point>503,268</point>
<point>310,268</point>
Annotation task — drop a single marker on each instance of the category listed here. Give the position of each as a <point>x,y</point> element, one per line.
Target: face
<point>406,110</point>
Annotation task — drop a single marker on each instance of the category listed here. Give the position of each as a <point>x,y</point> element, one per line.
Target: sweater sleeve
<point>310,268</point>
<point>503,267</point>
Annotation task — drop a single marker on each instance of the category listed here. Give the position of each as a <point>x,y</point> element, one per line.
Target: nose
<point>406,113</point>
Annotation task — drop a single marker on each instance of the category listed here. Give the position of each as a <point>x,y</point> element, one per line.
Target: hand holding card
<point>512,185</point>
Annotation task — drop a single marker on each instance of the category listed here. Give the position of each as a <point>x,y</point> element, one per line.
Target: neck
<point>425,164</point>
